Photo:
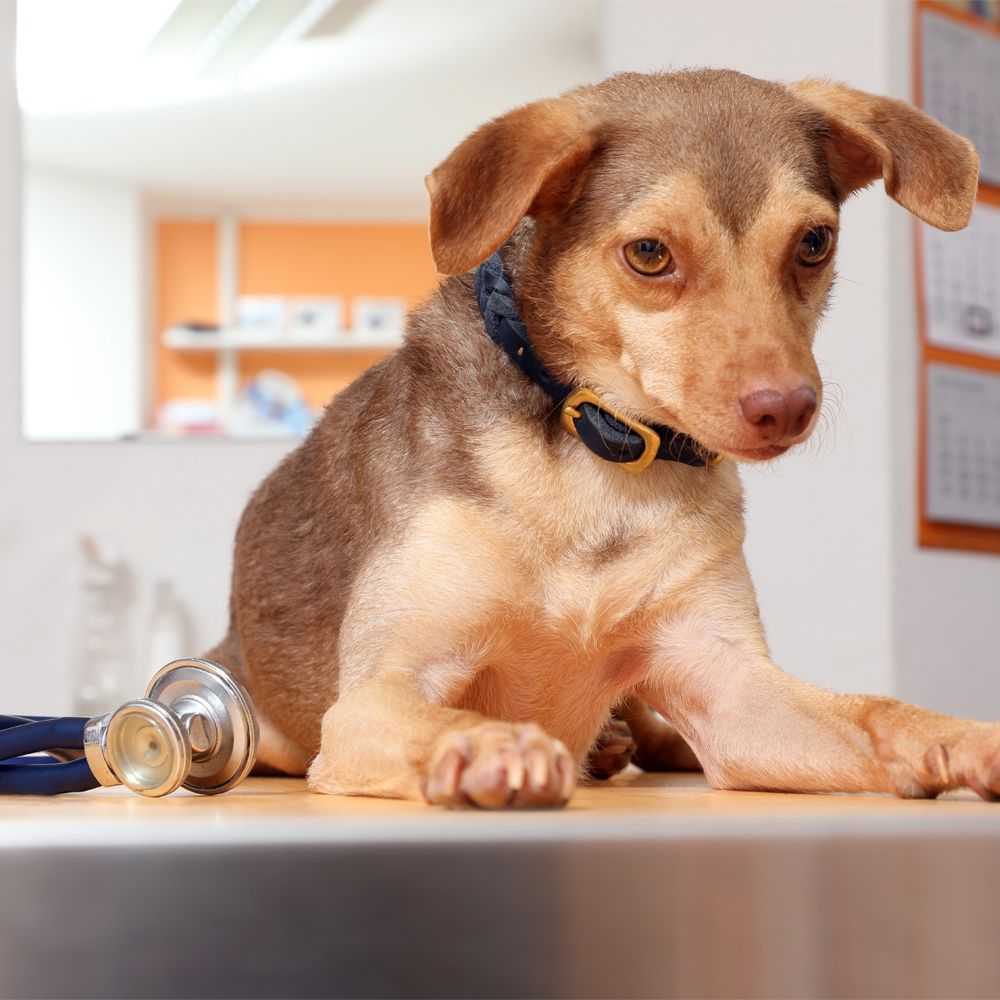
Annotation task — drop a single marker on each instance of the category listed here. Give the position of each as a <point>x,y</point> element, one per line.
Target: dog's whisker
<point>861,284</point>
<point>829,419</point>
<point>826,363</point>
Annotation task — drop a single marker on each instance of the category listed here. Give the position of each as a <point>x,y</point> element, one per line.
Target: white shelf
<point>235,339</point>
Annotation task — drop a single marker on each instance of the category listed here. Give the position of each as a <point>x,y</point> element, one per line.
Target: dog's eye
<point>649,257</point>
<point>815,246</point>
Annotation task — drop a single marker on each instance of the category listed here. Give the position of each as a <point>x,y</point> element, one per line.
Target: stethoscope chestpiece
<point>218,717</point>
<point>195,728</point>
<point>142,745</point>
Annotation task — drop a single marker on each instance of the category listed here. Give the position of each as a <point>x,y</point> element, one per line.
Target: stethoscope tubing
<point>23,775</point>
<point>34,736</point>
<point>42,778</point>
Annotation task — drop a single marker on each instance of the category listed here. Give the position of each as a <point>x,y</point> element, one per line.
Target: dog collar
<point>608,433</point>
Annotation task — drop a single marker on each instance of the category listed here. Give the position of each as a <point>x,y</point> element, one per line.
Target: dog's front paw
<point>972,761</point>
<point>966,757</point>
<point>495,765</point>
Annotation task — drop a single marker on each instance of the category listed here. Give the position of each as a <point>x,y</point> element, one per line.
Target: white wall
<point>849,599</point>
<point>946,604</point>
<point>83,270</point>
<point>172,508</point>
<point>818,523</point>
<point>844,591</point>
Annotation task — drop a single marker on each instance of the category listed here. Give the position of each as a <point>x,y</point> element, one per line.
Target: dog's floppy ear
<point>930,170</point>
<point>526,162</point>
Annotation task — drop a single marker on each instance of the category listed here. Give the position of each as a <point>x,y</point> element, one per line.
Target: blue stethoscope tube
<point>194,727</point>
<point>22,775</point>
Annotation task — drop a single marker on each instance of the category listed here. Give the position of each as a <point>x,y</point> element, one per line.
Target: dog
<point>517,541</point>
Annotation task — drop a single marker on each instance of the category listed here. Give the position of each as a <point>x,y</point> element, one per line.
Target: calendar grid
<point>957,80</point>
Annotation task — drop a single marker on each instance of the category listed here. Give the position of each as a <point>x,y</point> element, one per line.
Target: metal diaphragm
<point>146,747</point>
<point>218,717</point>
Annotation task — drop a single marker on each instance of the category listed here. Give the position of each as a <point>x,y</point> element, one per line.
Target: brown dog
<point>443,593</point>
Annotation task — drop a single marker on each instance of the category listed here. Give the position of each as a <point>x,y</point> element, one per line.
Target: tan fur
<point>444,594</point>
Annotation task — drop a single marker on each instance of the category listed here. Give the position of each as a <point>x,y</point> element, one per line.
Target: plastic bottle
<point>104,649</point>
<point>168,636</point>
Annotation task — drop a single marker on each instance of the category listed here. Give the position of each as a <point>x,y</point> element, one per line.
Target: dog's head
<point>685,228</point>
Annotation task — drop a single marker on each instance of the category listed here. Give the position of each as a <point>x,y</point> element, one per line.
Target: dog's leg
<point>384,738</point>
<point>754,727</point>
<point>276,752</point>
<point>658,746</point>
<point>392,730</point>
<point>613,750</point>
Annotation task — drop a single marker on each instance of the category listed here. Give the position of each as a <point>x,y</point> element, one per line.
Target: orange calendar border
<point>930,533</point>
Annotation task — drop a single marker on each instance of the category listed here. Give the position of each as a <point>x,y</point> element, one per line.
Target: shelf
<point>180,338</point>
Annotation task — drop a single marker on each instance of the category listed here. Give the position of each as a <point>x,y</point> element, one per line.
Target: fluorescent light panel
<point>255,32</point>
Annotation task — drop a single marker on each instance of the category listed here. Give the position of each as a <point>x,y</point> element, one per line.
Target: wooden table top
<point>632,805</point>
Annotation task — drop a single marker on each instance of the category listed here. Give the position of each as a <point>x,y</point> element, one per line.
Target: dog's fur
<point>443,594</point>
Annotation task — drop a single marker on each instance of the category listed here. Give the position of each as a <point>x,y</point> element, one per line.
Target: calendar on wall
<point>958,81</point>
<point>962,284</point>
<point>963,445</point>
<point>957,78</point>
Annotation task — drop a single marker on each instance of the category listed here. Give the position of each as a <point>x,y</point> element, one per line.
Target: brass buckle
<point>650,438</point>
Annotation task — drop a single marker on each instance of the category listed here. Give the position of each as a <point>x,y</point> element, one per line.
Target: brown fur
<point>442,593</point>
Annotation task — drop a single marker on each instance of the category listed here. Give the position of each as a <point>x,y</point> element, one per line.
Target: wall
<point>139,494</point>
<point>171,508</point>
<point>849,599</point>
<point>185,289</point>
<point>844,590</point>
<point>819,523</point>
<point>83,263</point>
<point>947,644</point>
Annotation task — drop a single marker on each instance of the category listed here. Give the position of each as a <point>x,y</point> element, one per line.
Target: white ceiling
<point>344,125</point>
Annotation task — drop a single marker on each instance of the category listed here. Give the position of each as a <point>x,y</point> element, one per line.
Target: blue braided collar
<point>609,434</point>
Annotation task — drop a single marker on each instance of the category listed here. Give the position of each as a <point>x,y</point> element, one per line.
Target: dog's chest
<point>590,592</point>
<point>597,569</point>
<point>573,638</point>
<point>546,594</point>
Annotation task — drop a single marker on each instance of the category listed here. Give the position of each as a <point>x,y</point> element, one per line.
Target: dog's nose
<point>777,416</point>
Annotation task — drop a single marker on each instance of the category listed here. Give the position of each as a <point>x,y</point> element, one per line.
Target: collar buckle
<point>569,414</point>
<point>504,327</point>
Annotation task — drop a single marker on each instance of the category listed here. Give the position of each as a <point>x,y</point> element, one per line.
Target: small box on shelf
<point>261,312</point>
<point>378,316</point>
<point>318,315</point>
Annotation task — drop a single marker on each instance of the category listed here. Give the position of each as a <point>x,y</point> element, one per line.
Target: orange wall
<point>185,273</point>
<point>289,259</point>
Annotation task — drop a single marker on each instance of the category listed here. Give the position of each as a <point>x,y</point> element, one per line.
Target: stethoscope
<point>195,727</point>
